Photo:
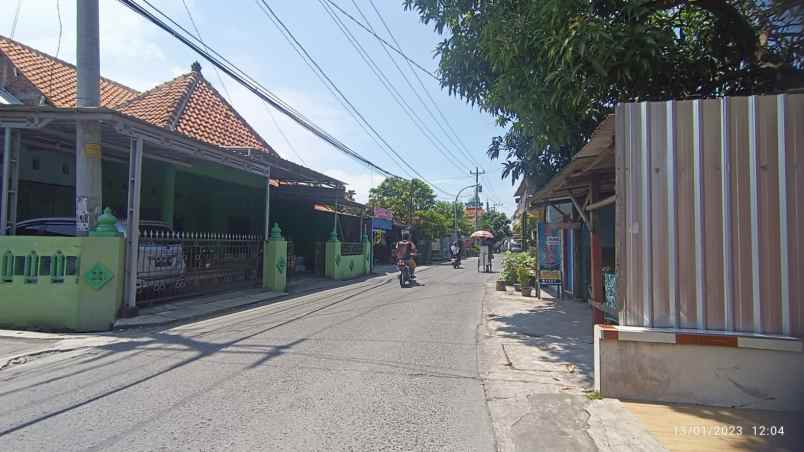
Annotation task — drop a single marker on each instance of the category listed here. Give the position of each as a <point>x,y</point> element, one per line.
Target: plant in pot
<point>524,277</point>
<point>508,274</point>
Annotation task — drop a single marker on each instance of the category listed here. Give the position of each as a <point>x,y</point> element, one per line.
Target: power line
<point>382,40</point>
<point>58,46</point>
<point>415,91</point>
<point>460,145</point>
<point>16,18</point>
<point>226,89</point>
<point>323,73</point>
<point>330,86</point>
<point>249,83</point>
<point>285,137</point>
<point>395,94</point>
<point>201,38</point>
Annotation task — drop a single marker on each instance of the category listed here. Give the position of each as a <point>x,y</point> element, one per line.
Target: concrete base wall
<point>700,374</point>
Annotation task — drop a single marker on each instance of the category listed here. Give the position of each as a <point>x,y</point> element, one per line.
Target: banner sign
<point>550,254</point>
<point>383,214</point>
<point>381,224</point>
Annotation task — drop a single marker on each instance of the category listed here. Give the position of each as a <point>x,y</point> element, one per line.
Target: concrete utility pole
<point>476,202</point>
<point>88,174</point>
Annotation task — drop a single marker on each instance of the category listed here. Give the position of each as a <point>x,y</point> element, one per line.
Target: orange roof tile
<point>158,105</point>
<point>187,104</point>
<point>56,79</point>
<point>190,105</point>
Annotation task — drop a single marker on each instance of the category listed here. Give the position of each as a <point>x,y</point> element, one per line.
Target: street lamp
<point>455,207</point>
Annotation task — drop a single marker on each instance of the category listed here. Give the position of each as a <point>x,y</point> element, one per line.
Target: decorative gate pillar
<point>275,261</point>
<point>332,256</point>
<point>367,252</point>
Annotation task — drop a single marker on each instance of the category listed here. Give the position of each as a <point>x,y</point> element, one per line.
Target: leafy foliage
<point>498,223</point>
<point>517,267</point>
<point>552,69</point>
<point>432,224</point>
<point>402,197</point>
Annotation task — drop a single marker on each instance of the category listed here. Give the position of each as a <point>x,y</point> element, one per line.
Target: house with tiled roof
<point>205,171</point>
<point>188,104</point>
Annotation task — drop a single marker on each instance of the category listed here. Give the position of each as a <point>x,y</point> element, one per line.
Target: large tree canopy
<point>498,223</point>
<point>550,70</point>
<point>402,197</point>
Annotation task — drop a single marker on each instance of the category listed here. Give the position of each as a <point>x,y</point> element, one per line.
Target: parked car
<point>160,260</point>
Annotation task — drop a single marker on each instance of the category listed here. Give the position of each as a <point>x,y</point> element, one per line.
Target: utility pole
<point>476,202</point>
<point>88,174</point>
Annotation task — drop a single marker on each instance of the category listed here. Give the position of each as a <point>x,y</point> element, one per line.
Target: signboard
<point>550,277</point>
<point>383,214</point>
<point>550,254</point>
<point>381,224</point>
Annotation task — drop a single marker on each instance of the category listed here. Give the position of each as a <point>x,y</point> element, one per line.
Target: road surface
<point>364,367</point>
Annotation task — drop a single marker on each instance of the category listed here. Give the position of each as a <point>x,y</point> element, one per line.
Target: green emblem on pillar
<point>351,265</point>
<point>280,265</point>
<point>338,260</point>
<point>98,276</point>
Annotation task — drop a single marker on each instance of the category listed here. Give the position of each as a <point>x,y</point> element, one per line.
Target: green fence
<point>60,283</point>
<point>341,265</point>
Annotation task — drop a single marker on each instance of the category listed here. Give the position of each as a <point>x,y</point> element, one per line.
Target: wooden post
<point>596,257</point>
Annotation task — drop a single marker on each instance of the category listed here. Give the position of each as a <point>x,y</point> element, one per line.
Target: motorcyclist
<point>406,250</point>
<point>456,250</point>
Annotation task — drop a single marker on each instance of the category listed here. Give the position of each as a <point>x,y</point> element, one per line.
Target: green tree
<point>498,223</point>
<point>402,197</point>
<point>449,210</point>
<point>432,224</point>
<point>551,70</point>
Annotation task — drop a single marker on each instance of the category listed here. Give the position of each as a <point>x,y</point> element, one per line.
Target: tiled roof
<point>187,104</point>
<point>56,79</point>
<point>158,105</point>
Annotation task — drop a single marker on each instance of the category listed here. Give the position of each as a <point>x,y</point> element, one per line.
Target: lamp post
<point>455,206</point>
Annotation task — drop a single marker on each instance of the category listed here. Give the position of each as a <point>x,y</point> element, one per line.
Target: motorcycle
<point>456,257</point>
<point>405,276</point>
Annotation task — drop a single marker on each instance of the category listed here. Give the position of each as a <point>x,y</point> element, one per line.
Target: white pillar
<point>133,227</point>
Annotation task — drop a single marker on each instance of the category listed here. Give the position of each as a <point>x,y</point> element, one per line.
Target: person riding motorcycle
<point>456,250</point>
<point>406,250</point>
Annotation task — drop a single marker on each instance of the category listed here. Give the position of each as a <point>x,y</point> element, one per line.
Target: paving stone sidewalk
<point>537,364</point>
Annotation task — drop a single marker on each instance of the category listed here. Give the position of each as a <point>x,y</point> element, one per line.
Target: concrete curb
<point>197,316</point>
<point>245,306</point>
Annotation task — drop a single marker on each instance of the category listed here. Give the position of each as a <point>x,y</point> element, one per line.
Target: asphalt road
<point>365,367</point>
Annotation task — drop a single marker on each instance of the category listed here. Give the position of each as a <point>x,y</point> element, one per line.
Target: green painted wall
<point>346,267</point>
<point>69,305</point>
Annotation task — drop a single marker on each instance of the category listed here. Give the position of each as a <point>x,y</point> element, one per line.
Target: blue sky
<point>136,53</point>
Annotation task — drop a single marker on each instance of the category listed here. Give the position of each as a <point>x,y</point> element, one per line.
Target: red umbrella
<point>482,235</point>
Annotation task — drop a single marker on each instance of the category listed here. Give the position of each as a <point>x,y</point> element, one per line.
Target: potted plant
<point>508,274</point>
<point>524,277</point>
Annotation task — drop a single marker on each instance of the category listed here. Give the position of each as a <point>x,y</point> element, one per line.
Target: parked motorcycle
<point>405,278</point>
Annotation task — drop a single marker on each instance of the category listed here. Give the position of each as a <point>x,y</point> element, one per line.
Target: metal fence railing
<point>172,265</point>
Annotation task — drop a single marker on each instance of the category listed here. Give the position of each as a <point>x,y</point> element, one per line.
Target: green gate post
<point>332,256</point>
<point>275,261</point>
<point>366,253</point>
<point>100,286</point>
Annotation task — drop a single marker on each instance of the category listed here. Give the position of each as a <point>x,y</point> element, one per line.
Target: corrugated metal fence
<point>710,214</point>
